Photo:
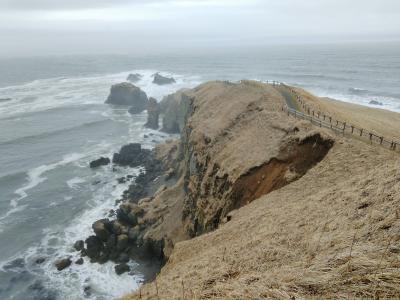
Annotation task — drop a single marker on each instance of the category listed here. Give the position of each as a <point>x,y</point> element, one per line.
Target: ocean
<point>53,122</point>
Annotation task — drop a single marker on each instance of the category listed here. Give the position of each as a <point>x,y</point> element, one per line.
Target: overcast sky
<point>150,26</point>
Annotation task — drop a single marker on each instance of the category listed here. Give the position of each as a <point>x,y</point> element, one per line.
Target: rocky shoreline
<point>119,238</point>
<point>122,236</point>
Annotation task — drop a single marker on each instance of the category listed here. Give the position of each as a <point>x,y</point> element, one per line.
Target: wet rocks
<point>63,264</point>
<point>133,233</point>
<point>121,269</point>
<point>162,80</point>
<point>120,239</point>
<point>122,242</point>
<point>153,112</point>
<point>40,260</point>
<point>131,155</point>
<point>134,77</point>
<point>102,161</point>
<point>79,245</point>
<point>94,247</point>
<point>79,261</point>
<point>127,94</point>
<point>101,229</point>
<point>374,102</point>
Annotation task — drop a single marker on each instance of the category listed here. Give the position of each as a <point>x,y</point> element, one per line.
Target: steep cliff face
<point>175,109</point>
<point>238,147</point>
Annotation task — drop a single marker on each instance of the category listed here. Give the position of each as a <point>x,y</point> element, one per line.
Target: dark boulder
<point>123,258</point>
<point>121,269</point>
<point>79,245</point>
<point>94,247</point>
<point>134,233</point>
<point>79,261</point>
<point>103,257</point>
<point>153,113</point>
<point>131,155</point>
<point>162,80</point>
<point>111,242</point>
<point>63,264</point>
<point>128,94</point>
<point>126,214</point>
<point>134,77</point>
<point>40,260</point>
<point>122,242</point>
<point>102,161</point>
<point>101,229</point>
<point>116,227</point>
<point>87,291</point>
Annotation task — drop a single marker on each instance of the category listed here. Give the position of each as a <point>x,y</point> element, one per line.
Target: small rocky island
<point>134,77</point>
<point>162,80</point>
<point>128,94</point>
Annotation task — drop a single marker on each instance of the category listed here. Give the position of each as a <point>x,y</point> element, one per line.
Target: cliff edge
<point>264,206</point>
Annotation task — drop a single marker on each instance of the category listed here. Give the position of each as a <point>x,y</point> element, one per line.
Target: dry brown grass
<point>333,234</point>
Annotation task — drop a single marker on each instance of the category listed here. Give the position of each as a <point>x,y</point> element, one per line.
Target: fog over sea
<point>53,122</point>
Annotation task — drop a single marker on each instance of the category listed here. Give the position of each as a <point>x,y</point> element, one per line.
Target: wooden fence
<point>323,120</point>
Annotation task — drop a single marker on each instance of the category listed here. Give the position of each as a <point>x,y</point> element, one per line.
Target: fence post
<point>361,131</point>
<point>344,126</point>
<point>330,119</point>
<point>352,129</point>
<point>381,140</point>
<point>370,137</point>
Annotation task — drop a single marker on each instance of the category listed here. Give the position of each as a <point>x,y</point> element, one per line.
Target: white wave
<point>102,279</point>
<point>50,93</point>
<point>34,178</point>
<point>75,182</point>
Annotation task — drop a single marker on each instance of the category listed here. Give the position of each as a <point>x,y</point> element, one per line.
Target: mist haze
<point>45,27</point>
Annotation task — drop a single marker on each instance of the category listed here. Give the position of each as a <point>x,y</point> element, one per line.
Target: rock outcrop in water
<point>374,102</point>
<point>102,161</point>
<point>153,113</point>
<point>127,94</point>
<point>131,155</point>
<point>134,77</point>
<point>63,264</point>
<point>162,80</point>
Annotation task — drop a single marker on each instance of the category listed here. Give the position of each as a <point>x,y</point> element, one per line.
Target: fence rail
<point>323,120</point>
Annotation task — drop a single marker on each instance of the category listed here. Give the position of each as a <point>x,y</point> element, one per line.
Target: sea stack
<point>134,77</point>
<point>127,94</point>
<point>162,80</point>
<point>153,112</point>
